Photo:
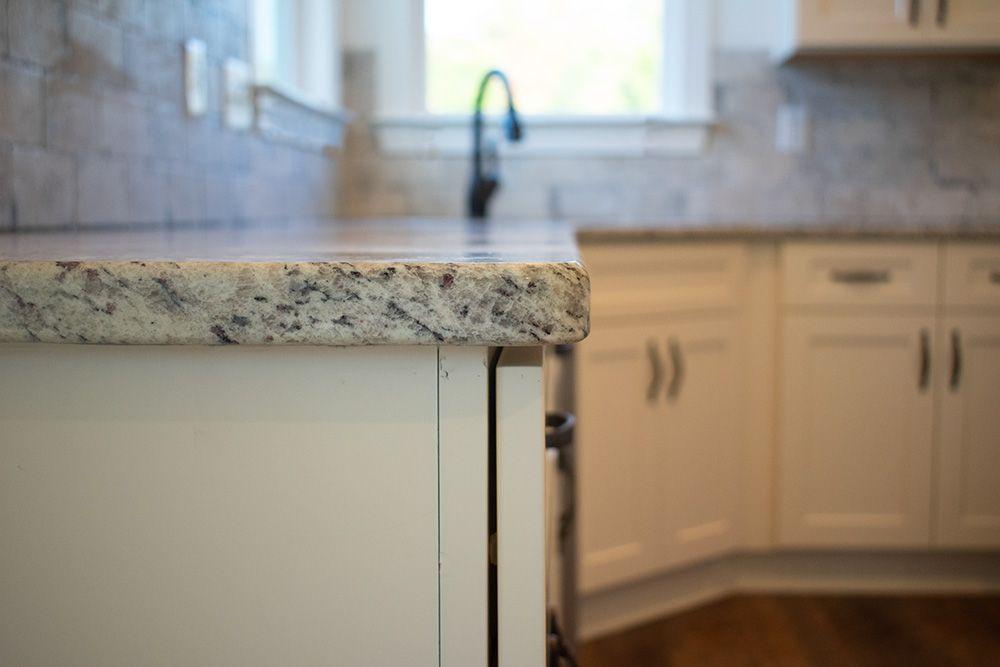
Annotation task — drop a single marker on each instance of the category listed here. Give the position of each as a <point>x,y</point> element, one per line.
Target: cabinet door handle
<point>657,367</point>
<point>859,276</point>
<point>956,360</point>
<point>914,13</point>
<point>677,361</point>
<point>995,277</point>
<point>942,13</point>
<point>925,359</point>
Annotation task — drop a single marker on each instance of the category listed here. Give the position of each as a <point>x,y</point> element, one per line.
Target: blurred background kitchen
<point>787,448</point>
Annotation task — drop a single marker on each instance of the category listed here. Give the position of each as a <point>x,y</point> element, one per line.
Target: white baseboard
<point>612,610</point>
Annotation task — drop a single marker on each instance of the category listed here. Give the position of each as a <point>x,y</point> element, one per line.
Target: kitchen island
<point>284,445</point>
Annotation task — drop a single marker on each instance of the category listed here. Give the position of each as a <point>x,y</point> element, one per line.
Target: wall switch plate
<point>195,77</point>
<point>791,131</point>
<point>237,98</point>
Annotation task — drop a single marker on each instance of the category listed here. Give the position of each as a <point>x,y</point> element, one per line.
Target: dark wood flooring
<point>812,630</point>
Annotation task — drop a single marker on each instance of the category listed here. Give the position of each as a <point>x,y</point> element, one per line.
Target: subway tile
<point>165,18</point>
<point>4,44</point>
<point>125,127</point>
<point>154,67</point>
<point>43,188</point>
<point>73,115</point>
<point>102,191</point>
<point>6,185</point>
<point>37,31</point>
<point>96,50</point>
<point>147,193</point>
<point>21,105</point>
<point>185,195</point>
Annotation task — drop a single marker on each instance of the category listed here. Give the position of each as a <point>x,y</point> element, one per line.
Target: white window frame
<point>394,29</point>
<point>314,81</point>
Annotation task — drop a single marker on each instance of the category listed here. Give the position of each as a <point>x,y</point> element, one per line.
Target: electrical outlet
<point>196,77</point>
<point>237,102</point>
<point>791,130</point>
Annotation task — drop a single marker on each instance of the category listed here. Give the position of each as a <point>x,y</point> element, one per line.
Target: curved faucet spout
<point>485,162</point>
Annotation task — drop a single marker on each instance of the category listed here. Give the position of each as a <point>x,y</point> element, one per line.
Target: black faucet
<point>485,160</point>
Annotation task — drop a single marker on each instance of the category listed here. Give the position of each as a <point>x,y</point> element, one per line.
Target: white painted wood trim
<point>424,134</point>
<point>785,572</point>
<point>463,395</point>
<point>520,444</point>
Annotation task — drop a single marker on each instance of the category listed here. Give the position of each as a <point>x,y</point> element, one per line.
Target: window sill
<point>547,135</point>
<point>285,116</point>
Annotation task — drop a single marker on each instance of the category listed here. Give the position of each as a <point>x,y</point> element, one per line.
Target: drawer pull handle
<point>859,276</point>
<point>677,361</point>
<point>956,360</point>
<point>925,359</point>
<point>657,367</point>
<point>995,277</point>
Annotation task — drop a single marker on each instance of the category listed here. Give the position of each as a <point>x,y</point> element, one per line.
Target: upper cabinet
<point>839,26</point>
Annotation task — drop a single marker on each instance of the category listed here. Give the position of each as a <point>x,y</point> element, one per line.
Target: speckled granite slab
<point>323,283</point>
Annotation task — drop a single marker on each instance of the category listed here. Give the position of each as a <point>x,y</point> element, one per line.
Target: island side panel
<point>463,385</point>
<point>520,425</point>
<point>195,505</point>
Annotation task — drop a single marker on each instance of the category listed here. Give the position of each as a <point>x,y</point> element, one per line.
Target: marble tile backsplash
<point>93,130</point>
<point>908,139</point>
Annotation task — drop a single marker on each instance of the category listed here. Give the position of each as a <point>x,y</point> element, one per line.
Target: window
<point>296,49</point>
<point>563,56</point>
<point>591,76</point>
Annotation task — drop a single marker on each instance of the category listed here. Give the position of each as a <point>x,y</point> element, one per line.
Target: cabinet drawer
<point>631,279</point>
<point>859,274</point>
<point>972,274</point>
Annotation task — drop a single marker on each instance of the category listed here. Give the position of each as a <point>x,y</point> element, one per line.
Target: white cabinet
<point>268,505</point>
<point>832,26</point>
<point>968,473</point>
<point>658,463</point>
<point>659,402</point>
<point>619,376</point>
<point>695,457</point>
<point>856,415</point>
<point>957,23</point>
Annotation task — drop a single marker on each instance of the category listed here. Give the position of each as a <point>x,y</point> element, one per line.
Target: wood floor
<point>813,630</point>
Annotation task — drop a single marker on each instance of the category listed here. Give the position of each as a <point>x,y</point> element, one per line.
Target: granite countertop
<point>377,282</point>
<point>644,231</point>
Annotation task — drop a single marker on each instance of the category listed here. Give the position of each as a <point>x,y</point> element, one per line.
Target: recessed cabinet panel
<point>616,369</point>
<point>859,274</point>
<point>969,426</point>
<point>858,22</point>
<point>972,275</point>
<point>963,23</point>
<point>856,431</point>
<point>695,460</point>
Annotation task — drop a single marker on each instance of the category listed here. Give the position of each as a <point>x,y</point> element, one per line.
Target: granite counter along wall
<point>93,131</point>
<point>892,139</point>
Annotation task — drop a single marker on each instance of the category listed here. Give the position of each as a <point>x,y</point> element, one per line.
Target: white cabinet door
<point>694,461</point>
<point>856,431</point>
<point>188,505</point>
<point>617,366</point>
<point>969,434</point>
<point>962,23</point>
<point>859,23</point>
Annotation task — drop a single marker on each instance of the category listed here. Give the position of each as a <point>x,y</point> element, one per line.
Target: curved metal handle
<point>995,277</point>
<point>914,13</point>
<point>677,361</point>
<point>859,276</point>
<point>942,13</point>
<point>925,359</point>
<point>657,366</point>
<point>956,360</point>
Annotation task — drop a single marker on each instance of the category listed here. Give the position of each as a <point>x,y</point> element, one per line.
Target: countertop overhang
<point>374,282</point>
